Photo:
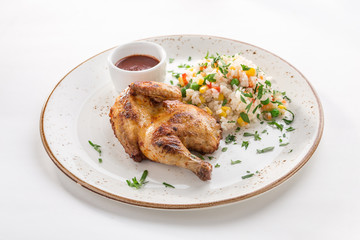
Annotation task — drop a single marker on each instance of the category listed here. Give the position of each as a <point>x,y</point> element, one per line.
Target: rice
<point>233,90</point>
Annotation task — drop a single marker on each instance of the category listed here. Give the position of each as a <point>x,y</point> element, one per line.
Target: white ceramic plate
<point>77,111</point>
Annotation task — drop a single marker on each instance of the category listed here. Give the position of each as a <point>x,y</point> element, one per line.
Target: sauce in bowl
<point>137,62</point>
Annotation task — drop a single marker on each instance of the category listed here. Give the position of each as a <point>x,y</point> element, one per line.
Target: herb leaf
<point>279,126</point>
<point>245,144</point>
<point>168,185</point>
<point>235,162</point>
<point>224,149</point>
<point>210,77</point>
<point>244,67</point>
<point>217,165</point>
<point>96,147</point>
<point>244,117</point>
<point>283,144</point>
<point>189,58</point>
<point>290,129</point>
<point>135,183</point>
<point>247,176</point>
<point>230,138</point>
<point>171,60</point>
<point>264,150</point>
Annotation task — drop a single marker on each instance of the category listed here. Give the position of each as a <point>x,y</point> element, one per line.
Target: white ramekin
<point>122,78</point>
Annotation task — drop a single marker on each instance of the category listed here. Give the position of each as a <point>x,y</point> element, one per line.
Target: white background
<point>40,41</point>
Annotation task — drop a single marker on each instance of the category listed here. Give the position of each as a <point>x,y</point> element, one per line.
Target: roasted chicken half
<point>151,122</point>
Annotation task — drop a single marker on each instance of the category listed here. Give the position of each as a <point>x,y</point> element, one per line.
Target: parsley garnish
<point>267,101</point>
<point>230,138</point>
<point>247,176</point>
<point>287,121</point>
<point>245,144</point>
<point>244,67</point>
<point>255,135</point>
<point>189,58</point>
<point>235,162</point>
<point>244,117</point>
<point>217,165</point>
<point>283,144</point>
<point>210,77</point>
<point>264,150</point>
<point>168,185</point>
<point>268,83</point>
<point>279,126</point>
<point>224,102</point>
<point>138,184</point>
<point>210,157</point>
<point>100,160</point>
<point>231,121</point>
<point>171,82</point>
<point>171,60</point>
<point>96,147</point>
<point>237,129</point>
<point>184,66</point>
<point>290,129</point>
<point>224,149</point>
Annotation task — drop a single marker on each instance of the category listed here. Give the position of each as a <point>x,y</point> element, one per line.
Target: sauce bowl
<point>122,78</point>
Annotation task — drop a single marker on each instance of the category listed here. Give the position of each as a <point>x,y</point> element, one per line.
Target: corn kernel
<point>225,109</point>
<point>241,122</point>
<point>221,97</point>
<point>251,72</point>
<point>200,81</point>
<point>232,68</point>
<point>181,81</point>
<point>208,110</point>
<point>203,89</point>
<point>282,107</point>
<point>194,74</point>
<point>202,99</point>
<point>222,114</point>
<point>191,69</point>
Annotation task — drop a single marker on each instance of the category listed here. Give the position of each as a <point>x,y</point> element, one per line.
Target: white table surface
<point>40,41</point>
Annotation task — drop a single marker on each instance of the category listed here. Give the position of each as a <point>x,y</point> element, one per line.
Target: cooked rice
<point>210,85</point>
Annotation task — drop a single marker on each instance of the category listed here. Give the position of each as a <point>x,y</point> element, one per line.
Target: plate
<point>77,111</point>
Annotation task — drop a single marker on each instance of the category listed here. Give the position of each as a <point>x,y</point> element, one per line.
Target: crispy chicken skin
<point>151,122</point>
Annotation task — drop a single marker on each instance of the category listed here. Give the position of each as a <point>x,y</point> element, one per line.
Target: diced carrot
<point>184,79</point>
<point>217,88</point>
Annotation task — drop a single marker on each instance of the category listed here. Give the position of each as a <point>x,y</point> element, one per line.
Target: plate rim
<point>264,189</point>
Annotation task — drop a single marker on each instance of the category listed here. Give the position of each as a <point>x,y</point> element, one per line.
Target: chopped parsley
<point>224,102</point>
<point>237,129</point>
<point>288,121</point>
<point>168,185</point>
<point>244,117</point>
<point>255,135</point>
<point>264,150</point>
<point>171,60</point>
<point>290,129</point>
<point>171,82</point>
<point>279,126</point>
<point>267,101</point>
<point>235,81</point>
<point>217,165</point>
<point>244,67</point>
<point>96,147</point>
<point>138,184</point>
<point>189,58</point>
<point>247,176</point>
<point>210,77</point>
<point>230,138</point>
<point>284,144</point>
<point>210,157</point>
<point>184,66</point>
<point>224,149</point>
<point>268,83</point>
<point>235,162</point>
<point>231,121</point>
<point>100,160</point>
<point>245,144</point>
